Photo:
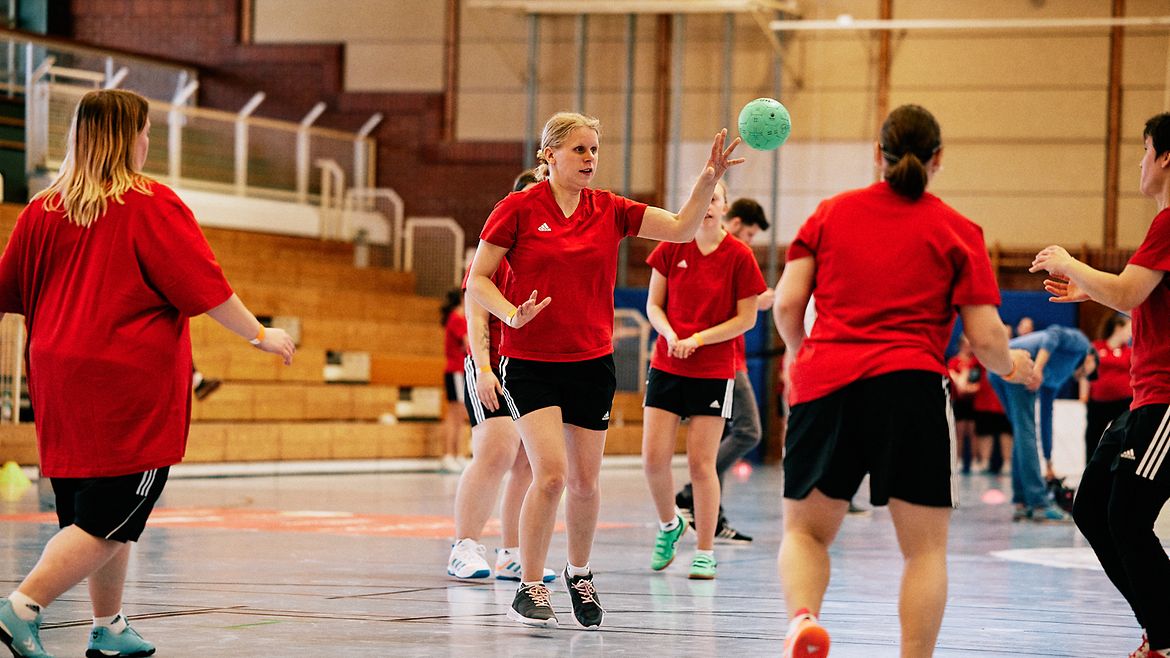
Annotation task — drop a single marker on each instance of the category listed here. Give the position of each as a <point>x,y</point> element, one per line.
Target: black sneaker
<point>725,534</point>
<point>207,387</point>
<point>532,607</point>
<point>686,506</point>
<point>587,610</point>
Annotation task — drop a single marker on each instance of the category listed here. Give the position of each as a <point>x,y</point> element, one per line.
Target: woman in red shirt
<point>561,238</point>
<point>890,263</point>
<point>108,266</point>
<point>703,295</point>
<point>1127,481</point>
<point>1110,392</point>
<point>455,350</point>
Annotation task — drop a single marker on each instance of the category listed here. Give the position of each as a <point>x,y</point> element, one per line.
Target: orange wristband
<point>698,338</point>
<point>485,368</point>
<point>1013,370</point>
<point>259,336</point>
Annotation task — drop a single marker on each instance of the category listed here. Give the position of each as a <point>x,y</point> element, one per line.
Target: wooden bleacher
<point>266,411</point>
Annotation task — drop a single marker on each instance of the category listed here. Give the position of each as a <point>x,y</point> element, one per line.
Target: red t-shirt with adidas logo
<point>571,259</point>
<point>1150,371</point>
<point>701,292</point>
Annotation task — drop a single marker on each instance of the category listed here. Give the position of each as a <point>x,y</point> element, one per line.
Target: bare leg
<point>659,432</point>
<point>810,525</point>
<point>70,556</point>
<point>702,447</point>
<point>544,441</point>
<point>453,421</point>
<point>494,446</point>
<point>107,583</point>
<point>518,483</point>
<point>922,536</point>
<point>584,449</point>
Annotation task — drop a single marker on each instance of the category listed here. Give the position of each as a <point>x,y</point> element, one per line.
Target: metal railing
<point>11,367</point>
<point>433,250</point>
<point>631,349</point>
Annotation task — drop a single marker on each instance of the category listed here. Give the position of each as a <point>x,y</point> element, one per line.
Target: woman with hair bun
<point>890,264</point>
<point>561,239</point>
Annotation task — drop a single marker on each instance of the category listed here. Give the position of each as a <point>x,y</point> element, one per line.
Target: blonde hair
<point>99,156</point>
<point>556,131</point>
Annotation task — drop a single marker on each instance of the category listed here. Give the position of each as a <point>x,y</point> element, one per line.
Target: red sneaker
<point>809,640</point>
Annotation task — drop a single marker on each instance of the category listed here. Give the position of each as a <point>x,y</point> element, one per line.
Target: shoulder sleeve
<point>503,224</point>
<point>748,279</point>
<point>974,281</point>
<point>628,215</point>
<point>1154,252</point>
<point>175,255</point>
<point>660,259</point>
<point>808,238</point>
<point>12,266</point>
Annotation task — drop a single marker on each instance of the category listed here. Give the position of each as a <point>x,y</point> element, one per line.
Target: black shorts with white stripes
<point>109,508</point>
<point>476,411</point>
<point>688,396</point>
<point>1137,442</point>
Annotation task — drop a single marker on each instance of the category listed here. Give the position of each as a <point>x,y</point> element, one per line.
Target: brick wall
<point>434,178</point>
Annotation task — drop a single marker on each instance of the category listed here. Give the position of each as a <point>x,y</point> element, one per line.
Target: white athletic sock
<point>667,527</point>
<point>710,553</point>
<point>510,552</point>
<point>116,623</point>
<point>24,607</point>
<point>529,584</point>
<point>579,571</point>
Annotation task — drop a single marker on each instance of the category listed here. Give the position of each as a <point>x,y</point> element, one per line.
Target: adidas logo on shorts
<point>715,404</point>
<point>606,416</point>
<point>1128,454</point>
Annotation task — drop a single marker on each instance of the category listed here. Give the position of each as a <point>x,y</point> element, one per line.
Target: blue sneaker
<point>23,638</point>
<point>508,568</point>
<point>105,642</point>
<point>1050,514</point>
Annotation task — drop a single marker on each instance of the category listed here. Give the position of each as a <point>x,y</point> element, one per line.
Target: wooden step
<point>247,401</point>
<point>223,355</point>
<point>407,370</point>
<point>627,408</point>
<point>276,299</point>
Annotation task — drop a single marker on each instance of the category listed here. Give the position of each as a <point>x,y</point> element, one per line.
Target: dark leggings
<point>1116,508</point>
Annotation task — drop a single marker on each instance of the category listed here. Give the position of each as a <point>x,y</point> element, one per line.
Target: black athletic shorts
<point>1137,442</point>
<point>110,508</point>
<point>964,408</point>
<point>476,412</point>
<point>582,389</point>
<point>895,426</point>
<point>991,423</point>
<point>688,396</point>
<point>453,384</point>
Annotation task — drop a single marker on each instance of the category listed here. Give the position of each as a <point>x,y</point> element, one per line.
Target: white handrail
<point>361,198</point>
<point>361,151</point>
<point>332,199</point>
<point>36,108</point>
<point>303,151</point>
<point>175,121</point>
<point>435,222</point>
<point>241,163</point>
<point>114,81</point>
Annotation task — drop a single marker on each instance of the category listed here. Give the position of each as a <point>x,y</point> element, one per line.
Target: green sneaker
<point>702,567</point>
<point>666,544</point>
<point>21,637</point>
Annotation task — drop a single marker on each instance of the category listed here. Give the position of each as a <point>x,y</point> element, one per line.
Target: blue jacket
<point>1066,347</point>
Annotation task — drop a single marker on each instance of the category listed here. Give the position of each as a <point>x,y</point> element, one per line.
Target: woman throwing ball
<point>561,238</point>
<point>890,263</point>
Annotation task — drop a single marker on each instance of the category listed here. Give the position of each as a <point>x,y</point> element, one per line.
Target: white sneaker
<point>467,561</point>
<point>450,464</point>
<point>508,567</point>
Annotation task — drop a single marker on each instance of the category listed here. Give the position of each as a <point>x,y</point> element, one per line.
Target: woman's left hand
<point>720,161</point>
<point>685,348</point>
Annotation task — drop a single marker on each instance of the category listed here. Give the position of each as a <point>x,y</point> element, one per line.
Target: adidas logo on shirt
<point>1128,454</point>
<point>682,263</point>
<point>544,228</point>
<point>715,404</point>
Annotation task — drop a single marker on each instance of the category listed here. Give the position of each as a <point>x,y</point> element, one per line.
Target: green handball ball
<point>764,124</point>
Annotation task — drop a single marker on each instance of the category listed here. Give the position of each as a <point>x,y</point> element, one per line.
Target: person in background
<point>991,423</point>
<point>108,266</point>
<point>1025,326</point>
<point>964,385</point>
<point>202,385</point>
<point>741,434</point>
<point>1109,393</point>
<point>1060,353</point>
<point>1127,482</point>
<point>455,350</point>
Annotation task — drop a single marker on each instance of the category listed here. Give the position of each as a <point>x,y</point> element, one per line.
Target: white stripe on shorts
<point>143,490</point>
<point>728,398</point>
<point>504,385</point>
<point>1151,462</point>
<point>946,384</point>
<point>470,375</point>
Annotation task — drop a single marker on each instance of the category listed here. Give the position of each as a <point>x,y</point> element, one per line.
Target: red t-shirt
<point>889,274</point>
<point>1113,365</point>
<point>502,278</point>
<point>571,259</point>
<point>986,400</point>
<point>1151,320</point>
<point>109,346</point>
<point>958,364</point>
<point>739,348</point>
<point>453,334</point>
<point>701,292</point>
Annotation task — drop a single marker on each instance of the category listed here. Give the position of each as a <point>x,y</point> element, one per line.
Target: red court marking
<point>320,522</point>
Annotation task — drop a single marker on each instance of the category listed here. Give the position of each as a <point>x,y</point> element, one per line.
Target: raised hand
<point>1064,291</point>
<point>719,161</point>
<point>1053,259</point>
<point>526,311</point>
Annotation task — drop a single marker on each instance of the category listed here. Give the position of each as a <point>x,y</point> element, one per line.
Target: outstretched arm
<point>659,224</point>
<point>236,317</point>
<point>1074,281</point>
